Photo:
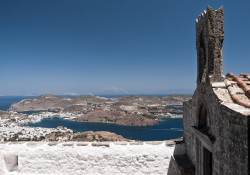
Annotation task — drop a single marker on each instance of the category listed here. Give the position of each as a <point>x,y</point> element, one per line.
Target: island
<point>127,110</point>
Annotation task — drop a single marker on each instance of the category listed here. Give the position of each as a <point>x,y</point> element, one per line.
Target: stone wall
<point>209,43</point>
<point>215,121</point>
<point>74,158</point>
<point>227,137</point>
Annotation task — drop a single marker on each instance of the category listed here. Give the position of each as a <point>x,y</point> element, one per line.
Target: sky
<point>97,46</point>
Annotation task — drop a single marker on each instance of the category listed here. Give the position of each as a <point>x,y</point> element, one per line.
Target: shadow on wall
<point>11,162</point>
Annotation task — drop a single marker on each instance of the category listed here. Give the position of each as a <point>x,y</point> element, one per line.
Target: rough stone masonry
<point>216,120</point>
<point>215,129</point>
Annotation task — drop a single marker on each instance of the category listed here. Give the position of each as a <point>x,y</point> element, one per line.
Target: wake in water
<point>172,129</point>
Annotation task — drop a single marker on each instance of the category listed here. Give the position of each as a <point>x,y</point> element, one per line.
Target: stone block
<point>135,143</point>
<point>243,153</point>
<point>11,162</point>
<point>217,155</point>
<point>238,133</point>
<point>82,144</point>
<point>104,144</point>
<point>226,123</point>
<point>238,167</point>
<point>120,143</point>
<point>68,144</point>
<point>151,158</point>
<point>15,143</point>
<point>224,133</point>
<point>225,159</point>
<point>216,164</point>
<point>154,142</point>
<point>53,143</point>
<point>215,172</point>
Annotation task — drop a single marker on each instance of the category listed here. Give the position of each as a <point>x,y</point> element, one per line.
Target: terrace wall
<point>85,157</point>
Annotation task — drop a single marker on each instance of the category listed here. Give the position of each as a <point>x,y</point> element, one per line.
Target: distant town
<point>127,110</point>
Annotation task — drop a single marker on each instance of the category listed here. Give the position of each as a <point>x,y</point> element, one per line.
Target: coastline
<point>25,118</point>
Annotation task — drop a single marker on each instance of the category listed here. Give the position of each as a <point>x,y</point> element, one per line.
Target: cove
<point>168,128</point>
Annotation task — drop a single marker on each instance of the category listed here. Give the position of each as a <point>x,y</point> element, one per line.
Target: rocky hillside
<point>135,120</point>
<point>41,103</point>
<point>99,115</point>
<point>127,110</point>
<point>81,104</point>
<point>98,136</point>
<point>175,99</point>
<point>117,118</point>
<point>87,136</point>
<point>57,103</point>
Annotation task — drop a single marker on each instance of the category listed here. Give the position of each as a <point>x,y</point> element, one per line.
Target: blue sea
<point>168,128</point>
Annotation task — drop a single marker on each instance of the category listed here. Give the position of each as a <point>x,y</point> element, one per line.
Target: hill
<point>127,110</point>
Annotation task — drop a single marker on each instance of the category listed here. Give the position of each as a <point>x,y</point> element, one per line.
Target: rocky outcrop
<point>117,118</point>
<point>98,136</point>
<point>57,103</point>
<point>41,103</point>
<point>99,115</point>
<point>87,136</point>
<point>135,120</point>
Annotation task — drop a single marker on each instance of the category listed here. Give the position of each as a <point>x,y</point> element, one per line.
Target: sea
<point>168,128</point>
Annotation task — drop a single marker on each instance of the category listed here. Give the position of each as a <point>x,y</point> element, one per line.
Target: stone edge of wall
<point>93,144</point>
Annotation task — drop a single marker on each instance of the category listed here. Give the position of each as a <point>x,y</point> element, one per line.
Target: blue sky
<point>83,46</point>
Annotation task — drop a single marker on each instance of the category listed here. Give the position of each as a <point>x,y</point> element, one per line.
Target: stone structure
<point>93,158</point>
<point>209,41</point>
<point>216,123</point>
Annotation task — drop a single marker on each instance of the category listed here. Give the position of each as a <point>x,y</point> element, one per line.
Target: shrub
<point>149,116</point>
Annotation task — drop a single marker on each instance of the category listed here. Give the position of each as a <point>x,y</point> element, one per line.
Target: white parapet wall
<point>77,158</point>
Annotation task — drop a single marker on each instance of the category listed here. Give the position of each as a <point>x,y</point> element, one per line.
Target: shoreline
<point>11,129</point>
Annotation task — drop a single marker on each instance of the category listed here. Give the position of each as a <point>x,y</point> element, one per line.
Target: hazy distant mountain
<point>34,94</point>
<point>62,93</point>
<point>4,94</point>
<point>68,93</point>
<point>114,90</point>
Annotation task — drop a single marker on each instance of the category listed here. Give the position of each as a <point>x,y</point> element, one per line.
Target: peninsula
<point>127,110</point>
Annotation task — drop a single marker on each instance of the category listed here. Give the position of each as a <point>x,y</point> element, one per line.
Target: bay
<point>168,128</point>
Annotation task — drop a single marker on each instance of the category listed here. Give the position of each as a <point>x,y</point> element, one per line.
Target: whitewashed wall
<point>85,158</point>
